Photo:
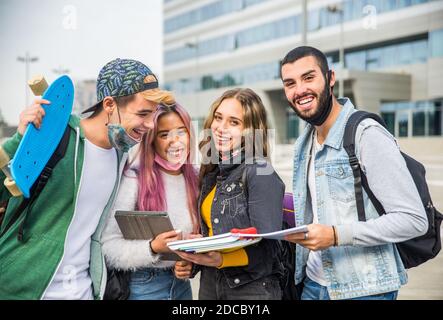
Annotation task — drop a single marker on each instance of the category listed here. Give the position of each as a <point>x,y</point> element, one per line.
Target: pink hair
<point>151,189</point>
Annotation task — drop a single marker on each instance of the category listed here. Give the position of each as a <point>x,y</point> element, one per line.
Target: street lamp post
<point>304,39</point>
<point>60,70</point>
<point>27,59</point>
<point>195,46</point>
<point>338,8</point>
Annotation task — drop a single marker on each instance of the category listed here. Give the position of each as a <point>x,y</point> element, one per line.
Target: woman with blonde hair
<point>238,189</point>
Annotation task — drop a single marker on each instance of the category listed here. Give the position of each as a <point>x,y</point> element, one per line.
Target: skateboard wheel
<point>12,187</point>
<point>38,85</point>
<point>4,158</point>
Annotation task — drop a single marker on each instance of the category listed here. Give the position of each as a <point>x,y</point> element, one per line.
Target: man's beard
<point>323,109</point>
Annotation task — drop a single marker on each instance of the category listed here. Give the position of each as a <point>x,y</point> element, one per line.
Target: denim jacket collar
<point>335,135</point>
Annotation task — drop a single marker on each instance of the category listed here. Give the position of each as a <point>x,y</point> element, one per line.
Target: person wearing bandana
<point>341,257</point>
<point>60,255</point>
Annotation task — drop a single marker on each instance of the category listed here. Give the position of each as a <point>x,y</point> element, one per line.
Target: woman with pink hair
<point>159,177</point>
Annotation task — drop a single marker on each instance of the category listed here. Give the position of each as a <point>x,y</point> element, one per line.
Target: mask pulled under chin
<point>119,138</point>
<point>166,164</point>
<point>321,118</point>
<point>227,156</point>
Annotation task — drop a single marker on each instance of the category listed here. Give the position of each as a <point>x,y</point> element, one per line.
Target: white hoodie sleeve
<point>120,253</point>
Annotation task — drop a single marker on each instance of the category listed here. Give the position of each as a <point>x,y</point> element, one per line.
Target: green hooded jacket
<point>27,268</point>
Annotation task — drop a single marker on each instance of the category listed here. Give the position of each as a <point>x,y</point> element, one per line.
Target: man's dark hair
<point>305,51</point>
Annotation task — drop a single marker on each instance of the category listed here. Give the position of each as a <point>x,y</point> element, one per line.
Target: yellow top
<point>236,258</point>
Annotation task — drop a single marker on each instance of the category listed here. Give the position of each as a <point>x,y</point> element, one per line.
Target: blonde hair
<point>158,95</point>
<point>254,118</point>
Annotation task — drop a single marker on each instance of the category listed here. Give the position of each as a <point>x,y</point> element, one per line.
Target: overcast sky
<point>79,35</point>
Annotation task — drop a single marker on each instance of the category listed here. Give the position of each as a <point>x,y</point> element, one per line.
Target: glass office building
<point>211,46</point>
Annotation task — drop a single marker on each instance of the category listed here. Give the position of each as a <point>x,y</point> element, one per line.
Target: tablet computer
<point>145,225</point>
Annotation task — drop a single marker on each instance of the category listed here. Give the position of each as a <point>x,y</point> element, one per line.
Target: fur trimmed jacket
<point>131,255</point>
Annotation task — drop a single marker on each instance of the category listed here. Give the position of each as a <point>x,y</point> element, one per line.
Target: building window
<point>403,122</point>
<point>388,5</point>
<point>253,74</point>
<point>356,60</point>
<point>206,13</point>
<point>417,119</point>
<point>314,20</point>
<point>418,123</point>
<point>386,56</point>
<point>269,31</point>
<point>248,3</point>
<point>420,51</point>
<point>435,119</point>
<point>436,43</point>
<point>389,118</point>
<point>373,59</point>
<point>292,132</point>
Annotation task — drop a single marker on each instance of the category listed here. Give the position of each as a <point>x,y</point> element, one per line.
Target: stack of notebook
<point>221,242</point>
<point>228,241</point>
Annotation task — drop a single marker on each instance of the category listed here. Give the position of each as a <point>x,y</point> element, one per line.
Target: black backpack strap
<point>359,176</point>
<point>374,200</point>
<point>16,215</point>
<point>39,184</point>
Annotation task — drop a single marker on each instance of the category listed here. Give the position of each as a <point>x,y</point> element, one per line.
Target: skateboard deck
<point>38,145</point>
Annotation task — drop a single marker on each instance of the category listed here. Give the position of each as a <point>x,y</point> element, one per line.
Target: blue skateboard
<point>38,145</point>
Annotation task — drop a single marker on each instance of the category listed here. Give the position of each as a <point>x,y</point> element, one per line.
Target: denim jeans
<point>214,286</point>
<point>158,284</point>
<point>314,291</point>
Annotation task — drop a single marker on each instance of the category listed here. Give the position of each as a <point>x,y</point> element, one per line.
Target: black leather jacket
<point>247,194</point>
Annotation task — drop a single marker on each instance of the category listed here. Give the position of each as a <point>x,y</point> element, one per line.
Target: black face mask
<point>325,106</point>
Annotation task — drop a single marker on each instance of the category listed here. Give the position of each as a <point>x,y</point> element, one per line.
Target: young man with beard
<point>340,257</point>
<point>59,252</point>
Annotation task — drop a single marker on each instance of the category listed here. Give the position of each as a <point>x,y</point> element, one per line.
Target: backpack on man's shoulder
<point>415,251</point>
<point>36,189</point>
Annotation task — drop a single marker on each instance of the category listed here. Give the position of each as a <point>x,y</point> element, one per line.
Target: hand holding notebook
<point>146,225</point>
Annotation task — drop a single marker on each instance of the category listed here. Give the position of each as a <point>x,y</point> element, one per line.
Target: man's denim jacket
<point>350,271</point>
